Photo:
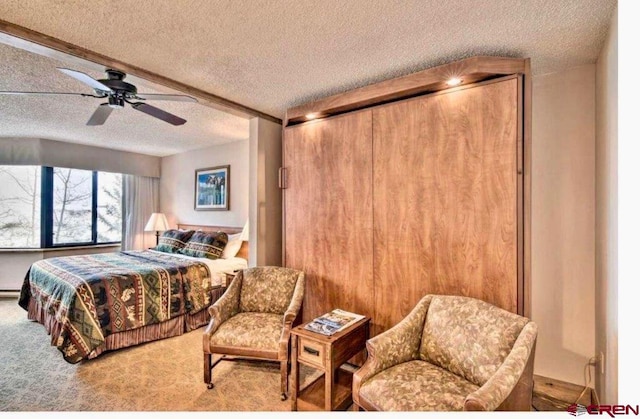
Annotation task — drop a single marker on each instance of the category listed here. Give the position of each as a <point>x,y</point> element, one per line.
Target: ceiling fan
<point>117,92</point>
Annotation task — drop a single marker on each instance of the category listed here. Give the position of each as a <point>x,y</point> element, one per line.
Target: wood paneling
<point>449,195</point>
<point>30,40</point>
<point>328,201</point>
<point>470,70</point>
<point>445,208</point>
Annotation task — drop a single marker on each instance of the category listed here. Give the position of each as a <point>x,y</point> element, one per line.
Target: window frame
<point>46,212</point>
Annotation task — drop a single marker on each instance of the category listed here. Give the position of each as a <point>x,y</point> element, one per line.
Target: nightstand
<point>332,390</point>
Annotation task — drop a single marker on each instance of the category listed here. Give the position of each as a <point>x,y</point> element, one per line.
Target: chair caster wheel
<point>210,386</point>
<point>283,397</point>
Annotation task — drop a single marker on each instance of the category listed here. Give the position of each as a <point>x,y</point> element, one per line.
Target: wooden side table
<point>332,390</point>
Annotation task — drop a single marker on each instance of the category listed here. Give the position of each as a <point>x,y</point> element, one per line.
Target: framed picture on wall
<point>212,189</point>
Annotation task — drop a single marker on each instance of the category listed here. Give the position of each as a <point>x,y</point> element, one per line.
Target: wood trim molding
<point>520,195</point>
<point>241,352</point>
<point>209,229</point>
<point>470,70</point>
<point>24,38</point>
<point>528,137</point>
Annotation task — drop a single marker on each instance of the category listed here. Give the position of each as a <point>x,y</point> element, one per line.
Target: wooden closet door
<point>445,199</point>
<point>328,212</point>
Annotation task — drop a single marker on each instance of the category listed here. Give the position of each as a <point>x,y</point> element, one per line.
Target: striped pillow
<point>206,245</point>
<point>172,241</point>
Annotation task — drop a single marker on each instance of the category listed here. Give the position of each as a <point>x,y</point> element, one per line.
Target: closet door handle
<point>282,178</point>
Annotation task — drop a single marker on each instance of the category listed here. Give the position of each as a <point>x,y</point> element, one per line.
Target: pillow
<point>233,246</point>
<point>172,241</point>
<point>206,245</point>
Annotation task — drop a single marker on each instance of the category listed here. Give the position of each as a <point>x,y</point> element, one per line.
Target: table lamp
<point>157,222</point>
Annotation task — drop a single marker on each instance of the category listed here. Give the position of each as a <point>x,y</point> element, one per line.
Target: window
<point>109,207</point>
<point>50,207</point>
<point>20,206</point>
<point>72,206</point>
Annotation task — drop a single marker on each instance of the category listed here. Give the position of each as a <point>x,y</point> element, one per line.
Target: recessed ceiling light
<point>312,115</point>
<point>454,81</point>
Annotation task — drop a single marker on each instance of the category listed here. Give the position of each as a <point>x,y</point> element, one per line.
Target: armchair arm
<point>296,301</point>
<point>494,392</point>
<point>291,314</point>
<point>223,309</point>
<point>399,344</point>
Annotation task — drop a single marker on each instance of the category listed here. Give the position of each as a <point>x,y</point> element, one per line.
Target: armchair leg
<point>207,371</point>
<point>284,379</point>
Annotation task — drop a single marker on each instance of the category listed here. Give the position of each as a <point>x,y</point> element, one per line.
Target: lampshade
<point>157,222</point>
<point>244,236</point>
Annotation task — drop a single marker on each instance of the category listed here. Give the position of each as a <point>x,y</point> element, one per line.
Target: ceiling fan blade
<point>43,93</point>
<point>86,79</point>
<point>175,98</point>
<point>158,113</point>
<point>100,115</point>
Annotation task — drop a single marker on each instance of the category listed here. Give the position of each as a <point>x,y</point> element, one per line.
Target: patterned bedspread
<point>93,296</point>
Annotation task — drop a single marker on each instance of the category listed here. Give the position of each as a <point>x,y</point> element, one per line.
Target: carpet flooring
<point>165,375</point>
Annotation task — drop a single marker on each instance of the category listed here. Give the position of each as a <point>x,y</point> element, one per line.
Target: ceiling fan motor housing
<point>121,88</point>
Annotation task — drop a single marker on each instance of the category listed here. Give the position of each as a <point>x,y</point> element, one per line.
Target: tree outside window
<point>20,206</point>
<point>76,207</point>
<point>72,206</point>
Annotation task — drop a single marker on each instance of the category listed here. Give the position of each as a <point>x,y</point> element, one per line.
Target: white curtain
<point>140,199</point>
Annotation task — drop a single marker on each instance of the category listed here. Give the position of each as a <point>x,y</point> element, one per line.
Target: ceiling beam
<point>30,40</point>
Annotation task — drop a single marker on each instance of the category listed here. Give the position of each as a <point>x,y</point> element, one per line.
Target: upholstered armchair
<point>449,354</point>
<point>253,318</point>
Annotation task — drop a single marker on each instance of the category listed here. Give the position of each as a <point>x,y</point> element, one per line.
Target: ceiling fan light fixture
<point>116,102</point>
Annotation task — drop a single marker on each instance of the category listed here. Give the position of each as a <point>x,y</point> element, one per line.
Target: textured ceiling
<point>63,118</point>
<point>274,54</point>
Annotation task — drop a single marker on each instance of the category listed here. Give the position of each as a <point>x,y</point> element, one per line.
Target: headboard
<point>244,250</point>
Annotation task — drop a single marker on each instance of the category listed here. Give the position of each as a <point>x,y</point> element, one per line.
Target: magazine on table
<point>333,322</point>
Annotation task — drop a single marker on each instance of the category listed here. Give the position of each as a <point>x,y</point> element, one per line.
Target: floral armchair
<point>253,318</point>
<point>450,354</point>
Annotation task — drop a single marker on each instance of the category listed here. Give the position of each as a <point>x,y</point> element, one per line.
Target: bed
<point>90,304</point>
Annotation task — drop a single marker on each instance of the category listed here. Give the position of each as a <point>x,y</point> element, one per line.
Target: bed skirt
<point>170,328</point>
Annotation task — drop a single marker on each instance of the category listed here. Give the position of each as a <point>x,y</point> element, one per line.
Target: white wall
<point>563,220</point>
<point>607,214</point>
<point>254,189</point>
<point>177,185</point>
<point>265,206</point>
<point>41,152</point>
